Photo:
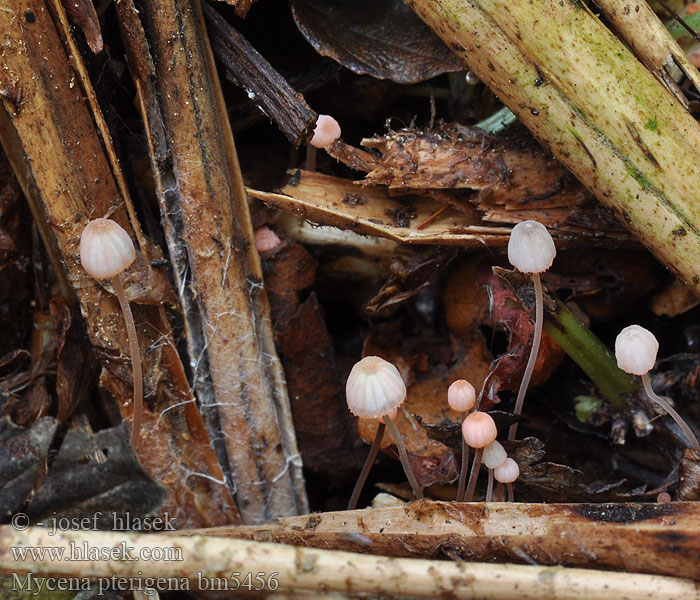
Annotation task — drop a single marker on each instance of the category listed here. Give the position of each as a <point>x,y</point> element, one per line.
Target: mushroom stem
<point>646,381</point>
<point>489,487</point>
<point>474,475</point>
<point>369,461</point>
<point>135,359</point>
<point>530,367</point>
<point>511,494</point>
<point>404,457</point>
<point>463,472</point>
<point>310,158</point>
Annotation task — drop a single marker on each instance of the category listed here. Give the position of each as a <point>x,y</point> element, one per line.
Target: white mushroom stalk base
<point>417,490</point>
<point>671,411</point>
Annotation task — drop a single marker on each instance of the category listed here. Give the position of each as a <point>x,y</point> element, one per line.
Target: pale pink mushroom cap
<point>494,455</point>
<point>266,239</point>
<point>461,396</point>
<point>326,132</point>
<point>636,349</point>
<point>507,472</point>
<point>105,249</point>
<point>374,388</point>
<point>479,430</point>
<point>531,248</point>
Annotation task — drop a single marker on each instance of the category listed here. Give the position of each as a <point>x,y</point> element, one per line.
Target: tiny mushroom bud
<point>461,396</point>
<point>507,472</point>
<point>636,349</point>
<point>326,132</point>
<point>530,250</point>
<point>105,249</point>
<point>375,389</point>
<point>494,455</point>
<point>479,429</point>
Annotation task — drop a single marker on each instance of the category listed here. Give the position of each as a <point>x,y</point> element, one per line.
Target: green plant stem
<point>369,461</point>
<point>498,121</point>
<point>590,354</point>
<point>418,492</point>
<point>671,411</point>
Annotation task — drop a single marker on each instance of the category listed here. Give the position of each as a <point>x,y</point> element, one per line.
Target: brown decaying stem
<point>135,359</point>
<point>310,158</point>
<point>418,492</point>
<point>474,475</point>
<point>489,487</point>
<point>671,411</point>
<point>371,457</point>
<point>463,471</point>
<point>539,319</point>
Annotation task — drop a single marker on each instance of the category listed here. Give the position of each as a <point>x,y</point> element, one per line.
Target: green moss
<point>652,125</point>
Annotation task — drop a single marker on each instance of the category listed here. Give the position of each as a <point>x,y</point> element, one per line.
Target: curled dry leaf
<point>82,13</point>
<point>383,39</point>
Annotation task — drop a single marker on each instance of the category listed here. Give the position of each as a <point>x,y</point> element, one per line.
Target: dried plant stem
<point>135,359</point>
<point>489,487</point>
<point>463,472</point>
<point>474,475</point>
<point>417,491</point>
<point>692,440</point>
<point>536,338</point>
<point>594,105</point>
<point>297,569</point>
<point>371,457</point>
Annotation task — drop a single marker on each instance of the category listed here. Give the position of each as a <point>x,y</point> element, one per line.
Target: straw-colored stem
<point>135,359</point>
<point>369,461</point>
<point>418,492</point>
<point>529,368</point>
<point>489,487</point>
<point>205,561</point>
<point>671,411</point>
<point>474,475</point>
<point>463,471</point>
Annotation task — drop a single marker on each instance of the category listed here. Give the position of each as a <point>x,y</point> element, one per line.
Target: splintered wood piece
<point>48,129</point>
<point>237,375</point>
<point>248,69</point>
<point>371,211</point>
<point>660,539</point>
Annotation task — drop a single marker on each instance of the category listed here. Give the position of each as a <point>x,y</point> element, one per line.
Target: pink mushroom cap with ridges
<point>461,396</point>
<point>105,249</point>
<point>374,388</point>
<point>507,472</point>
<point>479,429</point>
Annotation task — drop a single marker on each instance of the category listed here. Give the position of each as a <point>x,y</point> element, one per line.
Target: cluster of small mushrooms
<point>375,388</point>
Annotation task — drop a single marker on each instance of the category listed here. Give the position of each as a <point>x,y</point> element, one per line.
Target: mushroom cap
<point>531,248</point>
<point>461,396</point>
<point>479,429</point>
<point>374,388</point>
<point>507,472</point>
<point>326,132</point>
<point>494,455</point>
<point>105,249</point>
<point>636,349</point>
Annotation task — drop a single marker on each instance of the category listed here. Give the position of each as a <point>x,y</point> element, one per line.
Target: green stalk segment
<point>589,353</point>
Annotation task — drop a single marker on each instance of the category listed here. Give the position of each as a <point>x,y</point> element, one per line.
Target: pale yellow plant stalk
<point>203,560</point>
<point>594,105</point>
